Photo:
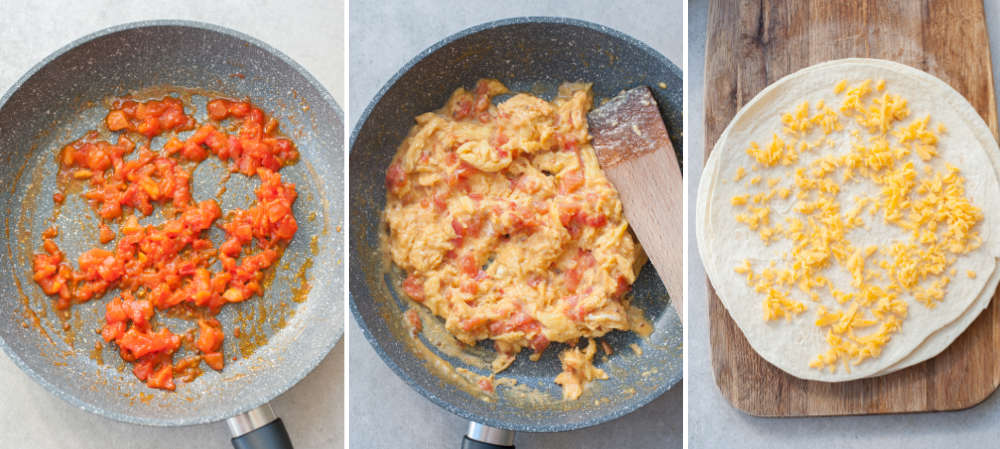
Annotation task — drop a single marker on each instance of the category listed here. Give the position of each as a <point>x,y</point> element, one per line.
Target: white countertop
<point>385,412</point>
<point>713,422</point>
<point>313,411</point>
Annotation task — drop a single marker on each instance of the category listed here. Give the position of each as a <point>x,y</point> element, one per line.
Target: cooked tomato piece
<point>217,109</point>
<point>539,343</point>
<point>171,263</point>
<point>414,288</point>
<point>596,220</point>
<point>568,143</point>
<point>573,308</point>
<point>395,177</point>
<point>462,109</point>
<point>623,287</point>
<point>469,227</point>
<point>571,180</point>
<point>486,384</point>
<point>113,331</point>
<point>215,360</point>
<point>210,336</point>
<point>117,121</point>
<point>413,319</point>
<point>162,378</point>
<point>440,202</point>
<point>472,323</point>
<point>138,343</point>
<point>149,118</point>
<point>106,234</point>
<point>467,264</point>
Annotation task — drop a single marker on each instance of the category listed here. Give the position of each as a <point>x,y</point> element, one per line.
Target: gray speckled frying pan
<point>534,55</point>
<point>285,334</point>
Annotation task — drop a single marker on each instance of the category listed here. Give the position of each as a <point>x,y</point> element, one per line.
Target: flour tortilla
<point>936,342</point>
<point>725,243</point>
<point>940,340</point>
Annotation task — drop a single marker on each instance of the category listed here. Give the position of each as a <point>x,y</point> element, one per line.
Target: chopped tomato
<point>596,221</point>
<point>582,262</point>
<point>462,108</point>
<point>210,336</point>
<point>414,321</point>
<point>573,309</point>
<point>217,109</point>
<point>486,384</point>
<point>568,143</point>
<point>138,343</point>
<point>214,360</point>
<point>467,264</point>
<point>459,175</point>
<point>539,343</point>
<point>149,118</point>
<point>173,262</point>
<point>117,121</point>
<point>414,288</point>
<point>106,234</point>
<point>163,378</point>
<point>469,227</point>
<point>472,323</point>
<point>395,178</point>
<point>571,180</point>
<point>519,321</point>
<point>500,138</point>
<point>623,287</point>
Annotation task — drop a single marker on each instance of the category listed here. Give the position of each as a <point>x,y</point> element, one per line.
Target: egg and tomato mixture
<point>508,229</point>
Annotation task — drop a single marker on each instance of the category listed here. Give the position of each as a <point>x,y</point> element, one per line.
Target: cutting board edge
<point>746,406</point>
<point>991,368</point>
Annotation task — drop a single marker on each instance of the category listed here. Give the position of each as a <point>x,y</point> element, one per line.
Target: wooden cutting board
<point>752,44</point>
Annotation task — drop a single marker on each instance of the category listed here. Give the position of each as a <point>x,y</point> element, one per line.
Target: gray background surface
<point>311,33</point>
<point>385,412</point>
<point>712,421</point>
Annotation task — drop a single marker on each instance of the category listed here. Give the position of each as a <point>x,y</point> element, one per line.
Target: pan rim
<point>358,318</point>
<point>309,365</point>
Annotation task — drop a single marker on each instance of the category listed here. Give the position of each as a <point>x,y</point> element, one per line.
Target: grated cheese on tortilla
<point>929,205</point>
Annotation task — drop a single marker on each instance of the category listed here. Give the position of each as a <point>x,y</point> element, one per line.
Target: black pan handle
<point>481,436</point>
<point>259,429</point>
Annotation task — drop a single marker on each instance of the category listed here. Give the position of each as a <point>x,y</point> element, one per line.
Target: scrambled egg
<point>507,228</point>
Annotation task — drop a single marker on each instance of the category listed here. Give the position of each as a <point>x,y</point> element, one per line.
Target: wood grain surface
<point>752,44</point>
<point>634,150</point>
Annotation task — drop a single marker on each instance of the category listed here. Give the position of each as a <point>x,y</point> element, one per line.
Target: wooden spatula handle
<point>634,149</point>
<point>662,214</point>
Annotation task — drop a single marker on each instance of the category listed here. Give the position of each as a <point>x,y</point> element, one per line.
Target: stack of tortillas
<point>796,339</point>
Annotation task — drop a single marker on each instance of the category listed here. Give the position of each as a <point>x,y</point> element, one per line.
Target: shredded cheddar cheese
<point>928,205</point>
<point>740,172</point>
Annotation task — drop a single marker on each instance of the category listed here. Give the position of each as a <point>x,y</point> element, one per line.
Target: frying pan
<point>533,54</point>
<point>285,333</point>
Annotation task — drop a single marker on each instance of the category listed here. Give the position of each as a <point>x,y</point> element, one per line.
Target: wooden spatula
<point>635,153</point>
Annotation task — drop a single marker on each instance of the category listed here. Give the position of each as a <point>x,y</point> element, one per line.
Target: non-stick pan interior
<point>284,334</point>
<point>530,55</point>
